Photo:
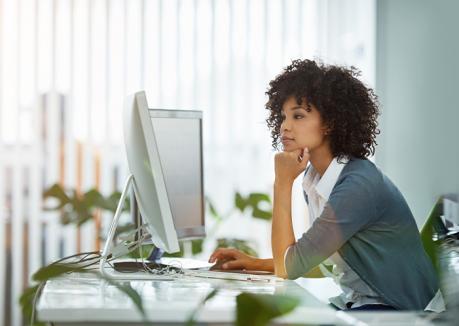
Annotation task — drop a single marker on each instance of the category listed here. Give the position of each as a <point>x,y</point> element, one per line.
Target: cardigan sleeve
<point>350,208</point>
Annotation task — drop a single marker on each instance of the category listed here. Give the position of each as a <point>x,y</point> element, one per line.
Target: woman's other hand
<point>288,165</point>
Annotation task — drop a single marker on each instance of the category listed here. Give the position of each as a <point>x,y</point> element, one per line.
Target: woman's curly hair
<point>347,107</point>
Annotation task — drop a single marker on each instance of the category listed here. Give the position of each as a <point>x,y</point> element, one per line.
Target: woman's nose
<point>285,125</point>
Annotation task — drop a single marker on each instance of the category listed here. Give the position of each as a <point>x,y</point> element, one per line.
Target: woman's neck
<point>320,159</point>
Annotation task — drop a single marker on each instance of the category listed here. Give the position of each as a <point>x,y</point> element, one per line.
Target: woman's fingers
<point>215,255</point>
<point>223,254</point>
<point>232,258</point>
<point>288,165</point>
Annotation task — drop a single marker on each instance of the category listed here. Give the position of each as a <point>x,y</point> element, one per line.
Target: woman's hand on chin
<point>288,165</point>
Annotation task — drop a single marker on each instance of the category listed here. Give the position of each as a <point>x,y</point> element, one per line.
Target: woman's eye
<point>298,116</point>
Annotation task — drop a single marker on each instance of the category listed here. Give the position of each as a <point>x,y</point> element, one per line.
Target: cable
<point>76,255</point>
<point>167,270</point>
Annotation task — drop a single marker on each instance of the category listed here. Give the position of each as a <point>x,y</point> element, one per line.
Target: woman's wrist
<point>283,183</point>
<point>266,265</point>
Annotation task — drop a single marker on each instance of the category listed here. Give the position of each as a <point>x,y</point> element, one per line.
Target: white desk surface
<point>85,299</point>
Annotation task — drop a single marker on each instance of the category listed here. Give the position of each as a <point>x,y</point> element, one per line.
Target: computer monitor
<point>164,152</point>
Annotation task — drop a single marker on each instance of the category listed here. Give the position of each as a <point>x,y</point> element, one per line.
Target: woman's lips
<point>286,140</point>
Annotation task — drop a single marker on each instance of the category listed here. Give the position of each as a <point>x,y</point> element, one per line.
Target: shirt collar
<point>323,185</point>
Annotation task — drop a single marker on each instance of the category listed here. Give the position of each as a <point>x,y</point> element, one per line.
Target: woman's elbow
<point>281,273</point>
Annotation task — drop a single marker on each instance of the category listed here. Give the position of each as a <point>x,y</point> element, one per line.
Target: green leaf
<point>78,208</point>
<point>129,291</point>
<point>256,197</point>
<point>255,200</point>
<point>54,270</point>
<point>240,202</point>
<point>78,205</point>
<point>111,203</point>
<point>67,218</point>
<point>83,217</point>
<point>56,191</point>
<point>260,309</point>
<point>432,223</point>
<point>26,301</point>
<point>196,246</point>
<point>93,198</point>
<point>261,214</point>
<point>209,296</point>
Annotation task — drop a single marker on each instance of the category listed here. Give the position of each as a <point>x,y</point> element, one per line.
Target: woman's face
<point>301,127</point>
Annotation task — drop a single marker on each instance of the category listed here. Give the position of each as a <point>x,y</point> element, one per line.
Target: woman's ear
<point>327,129</point>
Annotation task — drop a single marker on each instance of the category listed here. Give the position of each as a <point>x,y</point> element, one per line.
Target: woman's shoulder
<point>358,169</point>
<point>363,174</point>
<point>359,177</point>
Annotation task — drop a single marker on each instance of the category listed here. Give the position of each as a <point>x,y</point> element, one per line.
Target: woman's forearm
<point>282,235</point>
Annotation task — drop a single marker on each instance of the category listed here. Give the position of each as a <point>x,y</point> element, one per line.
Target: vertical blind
<point>67,65</point>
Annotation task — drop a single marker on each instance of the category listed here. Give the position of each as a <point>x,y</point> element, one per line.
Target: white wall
<point>418,83</point>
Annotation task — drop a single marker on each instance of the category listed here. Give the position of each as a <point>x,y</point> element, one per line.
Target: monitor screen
<point>179,143</point>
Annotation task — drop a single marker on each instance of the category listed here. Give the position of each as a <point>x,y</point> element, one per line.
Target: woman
<point>363,233</point>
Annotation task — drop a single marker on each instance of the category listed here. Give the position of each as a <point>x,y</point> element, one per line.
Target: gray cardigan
<point>369,223</point>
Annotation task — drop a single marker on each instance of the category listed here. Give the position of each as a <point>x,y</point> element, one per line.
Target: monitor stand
<point>108,247</point>
<point>156,253</point>
<point>111,232</point>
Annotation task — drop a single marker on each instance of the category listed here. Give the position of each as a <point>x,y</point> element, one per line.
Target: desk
<point>83,298</point>
<point>80,299</point>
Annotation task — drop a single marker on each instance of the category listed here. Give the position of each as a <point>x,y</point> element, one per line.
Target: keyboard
<point>237,275</point>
